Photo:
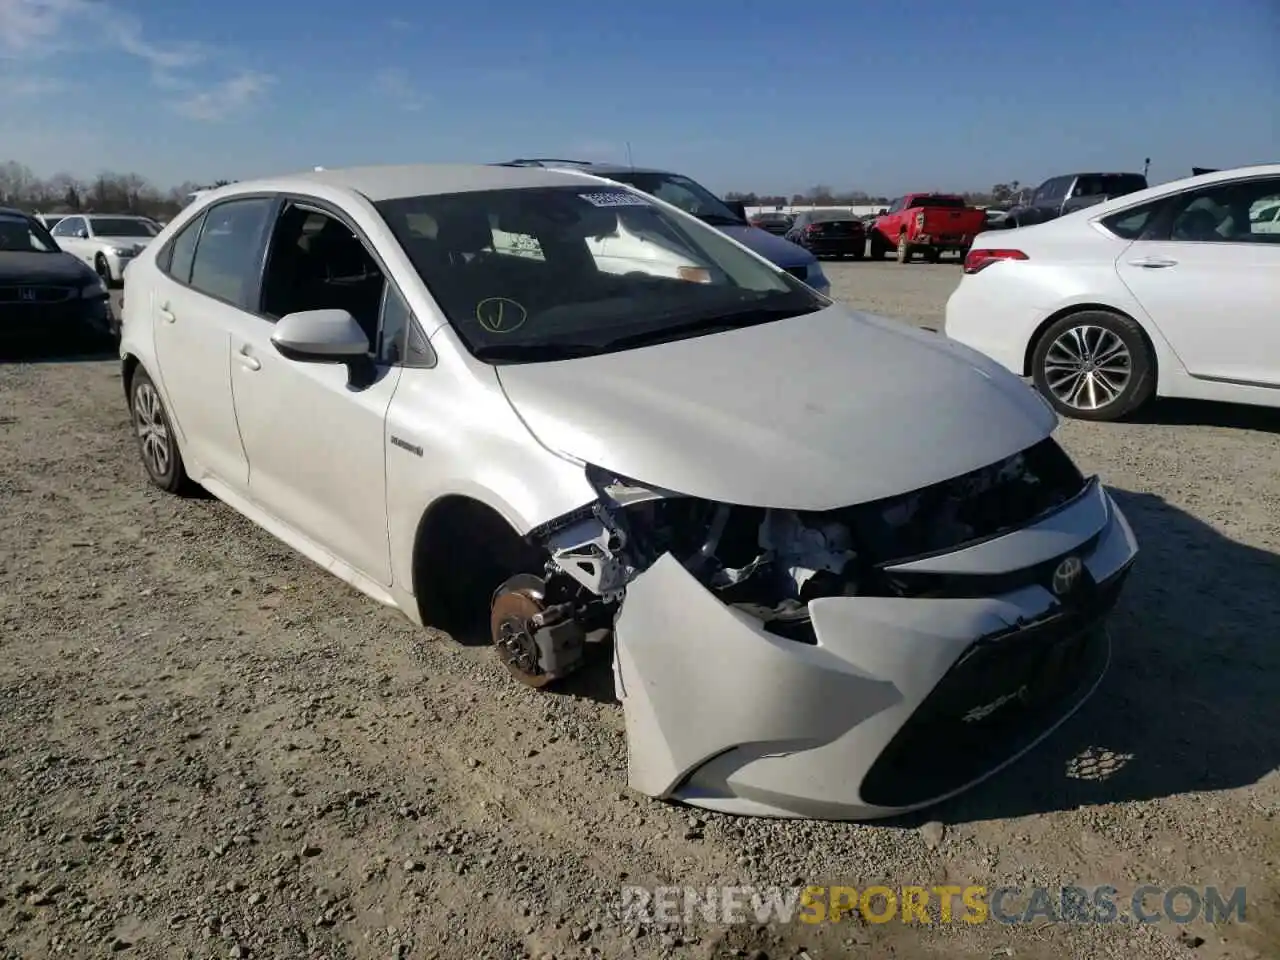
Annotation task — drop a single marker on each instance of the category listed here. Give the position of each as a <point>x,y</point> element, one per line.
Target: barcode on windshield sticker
<point>615,198</point>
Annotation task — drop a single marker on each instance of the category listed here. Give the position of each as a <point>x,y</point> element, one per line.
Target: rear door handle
<point>248,360</point>
<point>1153,263</point>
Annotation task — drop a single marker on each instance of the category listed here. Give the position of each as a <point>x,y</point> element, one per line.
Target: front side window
<point>317,262</point>
<point>615,271</point>
<point>20,235</point>
<point>226,258</point>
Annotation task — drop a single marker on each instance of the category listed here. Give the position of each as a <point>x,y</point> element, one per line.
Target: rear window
<point>830,216</point>
<point>1111,184</point>
<point>938,201</point>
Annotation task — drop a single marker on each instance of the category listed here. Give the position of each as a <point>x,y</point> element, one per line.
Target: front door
<point>1210,280</point>
<point>315,441</point>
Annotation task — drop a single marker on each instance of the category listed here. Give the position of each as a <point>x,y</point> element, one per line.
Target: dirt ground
<point>209,748</point>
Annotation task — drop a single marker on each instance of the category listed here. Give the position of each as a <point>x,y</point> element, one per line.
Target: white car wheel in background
<point>1094,365</point>
<point>103,270</point>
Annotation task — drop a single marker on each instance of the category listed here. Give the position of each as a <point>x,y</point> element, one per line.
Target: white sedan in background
<point>1172,291</point>
<point>106,242</point>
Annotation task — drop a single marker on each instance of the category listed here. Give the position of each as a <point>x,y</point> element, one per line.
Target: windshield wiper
<point>717,323</point>
<point>534,352</point>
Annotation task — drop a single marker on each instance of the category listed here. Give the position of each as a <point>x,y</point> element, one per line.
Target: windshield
<point>20,235</point>
<point>938,201</point>
<point>689,195</point>
<point>548,273</point>
<point>121,227</point>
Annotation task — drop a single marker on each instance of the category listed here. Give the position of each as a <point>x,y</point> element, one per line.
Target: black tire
<point>103,270</point>
<point>157,443</point>
<point>859,253</point>
<point>878,247</point>
<point>904,249</point>
<point>1136,390</point>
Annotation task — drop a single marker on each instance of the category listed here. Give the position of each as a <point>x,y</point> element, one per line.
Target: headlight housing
<point>93,288</point>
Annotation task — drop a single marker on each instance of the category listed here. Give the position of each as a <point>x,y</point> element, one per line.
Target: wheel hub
<point>509,618</point>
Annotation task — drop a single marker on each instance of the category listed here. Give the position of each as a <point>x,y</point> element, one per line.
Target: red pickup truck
<point>927,223</point>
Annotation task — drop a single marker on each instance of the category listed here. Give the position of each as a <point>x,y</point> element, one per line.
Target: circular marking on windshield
<point>500,315</point>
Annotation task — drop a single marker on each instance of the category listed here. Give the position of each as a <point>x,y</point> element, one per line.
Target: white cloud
<point>33,29</point>
<point>396,85</point>
<point>228,97</point>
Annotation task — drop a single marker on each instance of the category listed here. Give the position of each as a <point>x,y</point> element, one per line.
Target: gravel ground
<point>210,748</point>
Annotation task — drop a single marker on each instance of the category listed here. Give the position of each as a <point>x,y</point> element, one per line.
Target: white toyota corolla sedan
<point>1172,291</point>
<point>846,568</point>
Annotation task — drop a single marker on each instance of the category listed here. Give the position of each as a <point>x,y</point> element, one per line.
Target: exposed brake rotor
<point>516,602</point>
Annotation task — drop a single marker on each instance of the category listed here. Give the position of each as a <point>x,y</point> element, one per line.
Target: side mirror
<point>320,336</point>
<point>738,207</point>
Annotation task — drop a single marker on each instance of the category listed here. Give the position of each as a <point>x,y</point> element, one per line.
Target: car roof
<point>113,216</point>
<point>389,182</point>
<point>14,212</point>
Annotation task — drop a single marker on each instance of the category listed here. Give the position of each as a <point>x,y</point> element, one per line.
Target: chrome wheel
<point>153,430</point>
<point>1087,367</point>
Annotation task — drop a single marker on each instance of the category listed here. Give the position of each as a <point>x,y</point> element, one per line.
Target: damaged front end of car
<point>751,639</point>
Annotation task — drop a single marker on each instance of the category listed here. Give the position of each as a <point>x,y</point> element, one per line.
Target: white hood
<point>811,413</point>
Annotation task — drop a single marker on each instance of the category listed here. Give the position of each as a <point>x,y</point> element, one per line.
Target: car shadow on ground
<point>1204,413</point>
<point>1193,683</point>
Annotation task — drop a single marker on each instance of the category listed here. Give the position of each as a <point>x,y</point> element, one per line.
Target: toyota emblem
<point>27,293</point>
<point>1066,576</point>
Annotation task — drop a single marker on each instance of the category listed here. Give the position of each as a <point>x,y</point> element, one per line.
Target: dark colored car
<point>1071,192</point>
<point>693,198</point>
<point>773,221</point>
<point>46,296</point>
<point>830,233</point>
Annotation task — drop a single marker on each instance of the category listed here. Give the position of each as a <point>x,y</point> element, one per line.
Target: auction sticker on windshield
<point>500,315</point>
<point>615,198</point>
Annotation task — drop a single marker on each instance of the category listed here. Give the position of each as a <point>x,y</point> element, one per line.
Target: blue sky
<point>749,95</point>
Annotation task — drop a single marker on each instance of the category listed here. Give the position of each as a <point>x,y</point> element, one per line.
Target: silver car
<point>845,567</point>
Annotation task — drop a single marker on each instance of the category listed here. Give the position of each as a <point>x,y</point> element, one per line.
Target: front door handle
<point>1153,263</point>
<point>247,360</point>
<point>166,314</point>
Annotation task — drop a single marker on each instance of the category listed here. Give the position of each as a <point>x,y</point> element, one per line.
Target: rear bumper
<point>836,247</point>
<point>944,241</point>
<point>901,703</point>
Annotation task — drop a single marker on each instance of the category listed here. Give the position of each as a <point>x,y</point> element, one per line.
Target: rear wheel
<point>1094,365</point>
<point>904,249</point>
<point>157,444</point>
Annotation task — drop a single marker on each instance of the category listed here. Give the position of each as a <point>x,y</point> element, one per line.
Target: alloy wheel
<point>153,430</point>
<point>1088,367</point>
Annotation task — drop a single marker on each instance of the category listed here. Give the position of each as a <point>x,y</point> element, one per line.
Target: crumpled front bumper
<point>901,703</point>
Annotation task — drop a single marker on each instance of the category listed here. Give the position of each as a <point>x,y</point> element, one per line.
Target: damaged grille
<point>1002,694</point>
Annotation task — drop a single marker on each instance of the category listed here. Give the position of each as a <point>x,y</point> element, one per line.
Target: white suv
<point>824,543</point>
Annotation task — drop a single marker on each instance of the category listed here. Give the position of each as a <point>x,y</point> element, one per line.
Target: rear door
<point>1210,280</point>
<point>206,274</point>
